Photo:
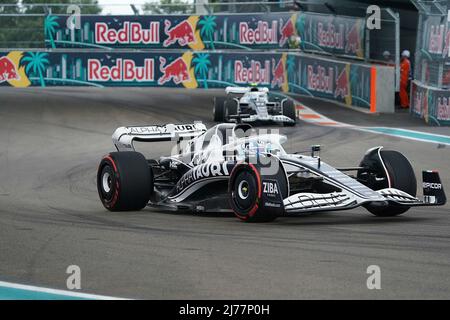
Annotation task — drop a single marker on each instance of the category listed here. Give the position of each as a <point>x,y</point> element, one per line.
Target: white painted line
<point>57,292</point>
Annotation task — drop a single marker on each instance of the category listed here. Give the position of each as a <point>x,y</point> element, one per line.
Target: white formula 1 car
<point>230,168</point>
<point>252,104</point>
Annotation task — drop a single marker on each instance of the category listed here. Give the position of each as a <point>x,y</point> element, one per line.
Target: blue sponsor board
<point>344,82</point>
<point>256,31</point>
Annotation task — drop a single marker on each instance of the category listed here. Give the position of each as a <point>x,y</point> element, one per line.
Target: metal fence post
<point>367,44</point>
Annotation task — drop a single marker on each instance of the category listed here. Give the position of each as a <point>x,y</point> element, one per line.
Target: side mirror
<point>315,149</point>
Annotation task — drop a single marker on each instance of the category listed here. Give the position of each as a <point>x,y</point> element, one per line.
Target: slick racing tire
<point>124,181</point>
<point>401,176</point>
<point>245,193</point>
<point>231,108</point>
<point>219,109</point>
<point>288,109</point>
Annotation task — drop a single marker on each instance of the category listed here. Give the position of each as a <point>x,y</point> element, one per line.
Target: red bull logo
<point>436,39</point>
<point>418,101</point>
<point>278,76</point>
<point>286,31</point>
<point>447,45</point>
<point>131,33</point>
<point>124,70</point>
<point>183,33</point>
<point>443,108</point>
<point>177,71</point>
<point>320,81</point>
<point>329,37</point>
<point>353,40</point>
<point>341,89</point>
<point>256,73</point>
<point>263,34</point>
<point>8,70</point>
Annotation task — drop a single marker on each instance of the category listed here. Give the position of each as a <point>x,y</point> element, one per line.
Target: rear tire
<point>231,108</point>
<point>288,110</point>
<point>219,109</point>
<point>401,176</point>
<point>124,181</point>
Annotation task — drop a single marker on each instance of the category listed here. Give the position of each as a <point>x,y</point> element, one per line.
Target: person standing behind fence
<point>387,59</point>
<point>405,72</point>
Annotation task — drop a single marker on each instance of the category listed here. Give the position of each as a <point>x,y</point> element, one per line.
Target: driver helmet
<point>254,87</point>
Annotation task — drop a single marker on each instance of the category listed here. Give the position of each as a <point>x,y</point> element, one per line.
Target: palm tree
<point>50,25</point>
<point>202,65</point>
<point>300,26</point>
<point>290,64</point>
<point>208,26</point>
<point>36,62</point>
<point>354,80</point>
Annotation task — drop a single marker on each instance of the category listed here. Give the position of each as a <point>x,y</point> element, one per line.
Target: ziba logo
<point>270,188</point>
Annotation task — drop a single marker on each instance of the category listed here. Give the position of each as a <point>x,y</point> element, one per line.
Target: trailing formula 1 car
<point>230,168</point>
<point>252,104</point>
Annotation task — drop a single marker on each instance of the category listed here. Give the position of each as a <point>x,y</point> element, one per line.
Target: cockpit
<point>228,138</point>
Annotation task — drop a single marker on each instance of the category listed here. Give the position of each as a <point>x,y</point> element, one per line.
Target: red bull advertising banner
<point>256,31</point>
<point>317,77</point>
<point>436,38</point>
<point>348,83</point>
<point>337,35</point>
<point>430,104</point>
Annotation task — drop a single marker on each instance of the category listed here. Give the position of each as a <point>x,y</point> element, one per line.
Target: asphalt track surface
<point>50,216</point>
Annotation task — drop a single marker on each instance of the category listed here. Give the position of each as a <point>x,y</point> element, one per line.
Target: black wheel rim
<point>244,192</point>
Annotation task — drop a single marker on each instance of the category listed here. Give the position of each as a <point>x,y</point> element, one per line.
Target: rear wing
<point>124,137</point>
<point>243,90</point>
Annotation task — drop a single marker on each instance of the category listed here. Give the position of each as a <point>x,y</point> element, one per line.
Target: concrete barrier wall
<point>364,86</point>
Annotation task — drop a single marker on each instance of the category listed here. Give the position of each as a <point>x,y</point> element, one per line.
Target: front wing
<point>310,202</point>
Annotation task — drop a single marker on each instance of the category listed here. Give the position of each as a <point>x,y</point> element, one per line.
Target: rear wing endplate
<point>124,137</point>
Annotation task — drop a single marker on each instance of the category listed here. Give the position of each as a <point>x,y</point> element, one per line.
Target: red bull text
<point>443,108</point>
<point>320,81</point>
<point>263,34</point>
<point>124,70</point>
<point>256,73</point>
<point>329,37</point>
<point>436,41</point>
<point>131,33</point>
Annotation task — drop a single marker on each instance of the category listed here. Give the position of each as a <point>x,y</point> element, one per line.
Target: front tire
<point>124,181</point>
<point>245,193</point>
<point>401,176</point>
<point>256,191</point>
<point>288,110</point>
